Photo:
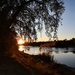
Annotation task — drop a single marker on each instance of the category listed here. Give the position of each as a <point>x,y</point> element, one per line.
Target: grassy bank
<point>23,64</point>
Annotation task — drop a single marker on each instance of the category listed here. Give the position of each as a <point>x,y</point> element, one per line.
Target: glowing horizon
<point>21,41</point>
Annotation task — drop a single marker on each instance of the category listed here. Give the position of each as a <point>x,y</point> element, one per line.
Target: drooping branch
<point>28,16</point>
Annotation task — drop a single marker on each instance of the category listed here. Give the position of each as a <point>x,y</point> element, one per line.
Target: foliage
<point>27,17</point>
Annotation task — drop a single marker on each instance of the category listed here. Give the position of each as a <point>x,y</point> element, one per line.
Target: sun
<point>21,41</point>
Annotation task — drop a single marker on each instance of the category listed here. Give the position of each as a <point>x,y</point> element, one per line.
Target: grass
<point>23,64</point>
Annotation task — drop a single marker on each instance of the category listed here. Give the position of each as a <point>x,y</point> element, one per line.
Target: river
<point>60,55</point>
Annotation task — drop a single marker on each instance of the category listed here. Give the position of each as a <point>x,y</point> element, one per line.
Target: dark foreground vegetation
<point>19,63</point>
<point>65,43</point>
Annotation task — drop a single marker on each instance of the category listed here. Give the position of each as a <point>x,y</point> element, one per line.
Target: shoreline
<point>20,63</point>
<point>43,68</point>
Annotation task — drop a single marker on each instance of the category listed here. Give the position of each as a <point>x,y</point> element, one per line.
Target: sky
<point>67,30</point>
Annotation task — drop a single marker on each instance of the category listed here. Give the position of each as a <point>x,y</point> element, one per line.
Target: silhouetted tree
<point>26,17</point>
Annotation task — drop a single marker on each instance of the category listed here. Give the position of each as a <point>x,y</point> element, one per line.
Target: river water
<point>60,55</point>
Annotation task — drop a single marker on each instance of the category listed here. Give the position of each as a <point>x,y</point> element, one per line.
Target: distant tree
<point>26,18</point>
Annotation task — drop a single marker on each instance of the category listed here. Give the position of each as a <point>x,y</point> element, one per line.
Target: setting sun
<point>20,41</point>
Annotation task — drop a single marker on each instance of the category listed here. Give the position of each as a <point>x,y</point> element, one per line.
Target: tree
<point>26,17</point>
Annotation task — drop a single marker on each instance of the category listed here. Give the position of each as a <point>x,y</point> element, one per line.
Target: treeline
<point>35,43</point>
<point>59,43</point>
<point>65,43</point>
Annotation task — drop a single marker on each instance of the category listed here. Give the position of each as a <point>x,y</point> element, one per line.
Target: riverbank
<point>23,64</point>
<point>58,44</point>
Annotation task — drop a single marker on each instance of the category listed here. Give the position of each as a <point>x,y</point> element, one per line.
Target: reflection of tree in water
<point>27,48</point>
<point>73,52</point>
<point>69,50</point>
<point>65,51</point>
<point>56,51</point>
<point>46,54</point>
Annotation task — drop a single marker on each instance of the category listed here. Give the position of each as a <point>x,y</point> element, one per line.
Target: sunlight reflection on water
<point>21,48</point>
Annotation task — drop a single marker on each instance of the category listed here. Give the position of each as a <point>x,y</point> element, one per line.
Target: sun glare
<point>21,48</point>
<point>20,41</point>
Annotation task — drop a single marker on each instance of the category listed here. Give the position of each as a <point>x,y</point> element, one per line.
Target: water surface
<point>61,55</point>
